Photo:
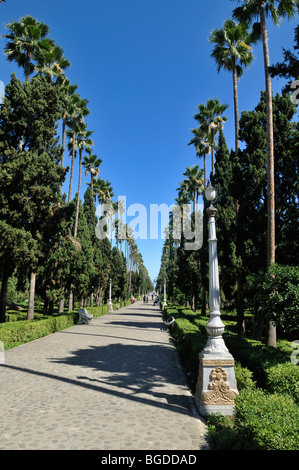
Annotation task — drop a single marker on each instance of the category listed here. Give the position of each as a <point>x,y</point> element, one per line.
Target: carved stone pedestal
<point>216,388</point>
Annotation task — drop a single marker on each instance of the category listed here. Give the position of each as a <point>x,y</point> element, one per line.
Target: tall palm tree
<point>256,11</point>
<point>92,165</point>
<point>76,111</point>
<point>232,51</point>
<point>50,60</point>
<point>194,182</point>
<point>210,118</point>
<point>23,40</point>
<point>183,200</point>
<point>83,143</point>
<point>203,146</point>
<point>103,189</point>
<point>133,258</point>
<point>121,227</point>
<point>67,90</point>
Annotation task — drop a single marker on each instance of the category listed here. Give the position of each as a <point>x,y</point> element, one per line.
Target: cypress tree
<point>30,173</point>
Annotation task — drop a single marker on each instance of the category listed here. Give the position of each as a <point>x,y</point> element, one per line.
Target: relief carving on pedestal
<point>219,392</point>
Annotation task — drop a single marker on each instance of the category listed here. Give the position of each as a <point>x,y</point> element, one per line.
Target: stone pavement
<point>114,384</point>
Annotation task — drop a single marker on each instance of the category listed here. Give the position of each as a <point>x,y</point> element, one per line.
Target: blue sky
<point>144,66</point>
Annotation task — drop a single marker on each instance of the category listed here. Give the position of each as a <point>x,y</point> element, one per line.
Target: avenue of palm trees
<point>44,65</point>
<point>232,49</point>
<point>52,255</point>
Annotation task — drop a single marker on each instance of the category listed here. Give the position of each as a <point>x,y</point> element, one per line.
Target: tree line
<point>48,241</point>
<point>257,205</point>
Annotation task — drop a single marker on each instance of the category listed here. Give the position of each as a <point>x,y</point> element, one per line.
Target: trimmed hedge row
<point>271,367</point>
<point>14,333</point>
<point>264,418</point>
<point>265,421</point>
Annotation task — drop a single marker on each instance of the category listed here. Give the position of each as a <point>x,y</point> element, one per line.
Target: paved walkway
<point>114,384</point>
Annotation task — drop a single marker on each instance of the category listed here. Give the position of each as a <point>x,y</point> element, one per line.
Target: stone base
<point>216,386</point>
<point>226,410</point>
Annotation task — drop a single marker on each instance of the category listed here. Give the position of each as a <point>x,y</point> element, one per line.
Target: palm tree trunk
<point>27,67</point>
<point>205,169</point>
<point>61,306</point>
<point>130,275</point>
<point>63,145</point>
<point>72,163</point>
<point>91,187</point>
<point>236,105</point>
<point>71,301</point>
<point>270,164</point>
<point>30,314</point>
<point>212,154</point>
<point>78,197</point>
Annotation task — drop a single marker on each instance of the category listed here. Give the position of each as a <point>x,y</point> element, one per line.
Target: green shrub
<point>284,379</point>
<point>189,314</point>
<point>262,420</point>
<point>244,378</point>
<point>15,332</point>
<point>222,432</point>
<point>266,421</point>
<point>277,296</point>
<point>19,332</point>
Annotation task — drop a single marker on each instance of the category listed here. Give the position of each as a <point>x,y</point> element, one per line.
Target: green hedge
<point>14,333</point>
<point>264,419</point>
<point>272,368</point>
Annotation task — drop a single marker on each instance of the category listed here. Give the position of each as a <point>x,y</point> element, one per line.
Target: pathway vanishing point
<point>114,384</point>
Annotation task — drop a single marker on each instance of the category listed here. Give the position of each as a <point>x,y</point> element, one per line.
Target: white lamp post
<point>216,386</point>
<point>110,305</point>
<point>164,303</point>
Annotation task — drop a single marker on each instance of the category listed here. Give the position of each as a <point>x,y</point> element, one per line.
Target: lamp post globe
<point>210,193</point>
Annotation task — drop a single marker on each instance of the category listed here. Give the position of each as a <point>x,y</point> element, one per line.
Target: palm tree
<point>103,189</point>
<point>83,143</point>
<point>133,256</point>
<point>121,227</point>
<point>67,91</point>
<point>194,182</point>
<point>256,11</point>
<point>50,60</point>
<point>23,40</point>
<point>232,51</point>
<point>211,120</point>
<point>76,111</point>
<point>92,165</point>
<point>202,143</point>
<point>183,200</point>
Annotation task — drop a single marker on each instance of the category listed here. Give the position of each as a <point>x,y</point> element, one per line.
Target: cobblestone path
<point>114,384</point>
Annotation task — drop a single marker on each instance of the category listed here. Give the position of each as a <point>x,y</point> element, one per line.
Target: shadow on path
<point>139,373</point>
<point>131,371</point>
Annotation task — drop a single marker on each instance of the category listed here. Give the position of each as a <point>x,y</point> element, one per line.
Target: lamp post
<point>216,386</point>
<point>110,301</point>
<point>164,303</point>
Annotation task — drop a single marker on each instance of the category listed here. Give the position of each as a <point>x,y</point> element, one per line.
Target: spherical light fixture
<point>210,193</point>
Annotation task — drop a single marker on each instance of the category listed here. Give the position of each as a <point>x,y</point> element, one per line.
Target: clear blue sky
<point>144,66</point>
